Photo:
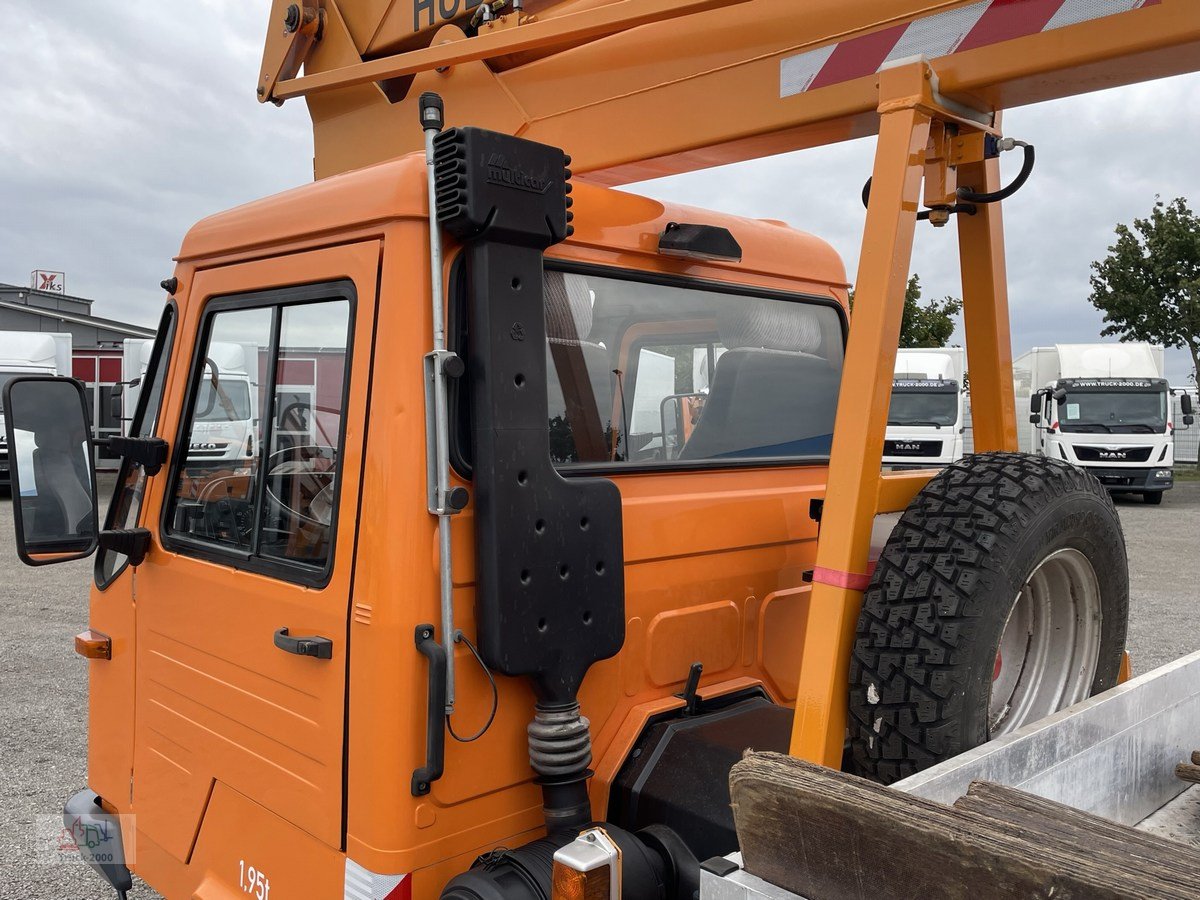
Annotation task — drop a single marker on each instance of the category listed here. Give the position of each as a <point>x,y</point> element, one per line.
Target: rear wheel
<point>1153,497</point>
<point>1001,596</point>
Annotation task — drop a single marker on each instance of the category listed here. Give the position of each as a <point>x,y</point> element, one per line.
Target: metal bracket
<point>441,499</point>
<point>292,31</point>
<point>148,452</point>
<point>133,543</point>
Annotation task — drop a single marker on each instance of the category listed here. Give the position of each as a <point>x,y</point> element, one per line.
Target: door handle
<point>316,647</point>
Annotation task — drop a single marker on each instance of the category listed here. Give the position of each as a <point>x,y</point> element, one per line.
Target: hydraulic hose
<point>969,197</point>
<point>1004,193</point>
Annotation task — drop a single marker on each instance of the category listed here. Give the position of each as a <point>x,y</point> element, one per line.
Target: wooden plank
<point>830,836</point>
<point>1188,771</point>
<point>1143,862</point>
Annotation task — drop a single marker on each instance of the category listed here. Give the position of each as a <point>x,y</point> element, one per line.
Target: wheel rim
<point>1050,646</point>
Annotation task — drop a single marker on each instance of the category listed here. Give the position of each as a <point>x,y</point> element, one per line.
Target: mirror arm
<point>130,542</point>
<point>150,453</point>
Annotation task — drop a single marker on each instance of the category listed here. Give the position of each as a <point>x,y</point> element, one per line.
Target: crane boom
<point>635,89</point>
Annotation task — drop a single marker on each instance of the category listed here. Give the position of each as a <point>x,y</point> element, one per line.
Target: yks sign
<point>51,282</point>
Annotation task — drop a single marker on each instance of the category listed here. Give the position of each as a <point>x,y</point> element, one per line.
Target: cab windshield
<point>931,407</point>
<point>1114,412</point>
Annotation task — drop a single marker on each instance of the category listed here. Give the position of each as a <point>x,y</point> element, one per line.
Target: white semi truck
<point>927,417</point>
<point>29,353</point>
<point>1104,407</point>
<point>227,406</point>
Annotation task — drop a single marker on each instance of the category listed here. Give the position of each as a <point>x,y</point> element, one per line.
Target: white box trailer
<point>927,416</point>
<point>29,353</point>
<point>1104,407</point>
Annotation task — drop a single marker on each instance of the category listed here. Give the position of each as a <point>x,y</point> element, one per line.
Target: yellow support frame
<point>908,154</point>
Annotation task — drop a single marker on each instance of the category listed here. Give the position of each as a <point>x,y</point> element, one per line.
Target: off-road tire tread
<point>914,642</point>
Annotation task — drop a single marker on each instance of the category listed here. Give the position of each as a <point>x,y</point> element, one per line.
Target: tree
<point>924,326</point>
<point>1148,287</point>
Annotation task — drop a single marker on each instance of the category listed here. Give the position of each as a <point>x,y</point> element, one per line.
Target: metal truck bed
<point>1113,755</point>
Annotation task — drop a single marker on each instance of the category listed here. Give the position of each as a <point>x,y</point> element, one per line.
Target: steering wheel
<point>213,497</point>
<point>319,509</point>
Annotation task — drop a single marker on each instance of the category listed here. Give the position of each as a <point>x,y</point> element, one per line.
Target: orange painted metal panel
<point>631,106</point>
<point>217,703</point>
<point>854,472</point>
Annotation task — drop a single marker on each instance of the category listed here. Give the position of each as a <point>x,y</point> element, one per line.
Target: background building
<point>96,343</point>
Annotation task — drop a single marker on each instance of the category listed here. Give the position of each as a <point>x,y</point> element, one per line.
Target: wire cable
<point>460,637</point>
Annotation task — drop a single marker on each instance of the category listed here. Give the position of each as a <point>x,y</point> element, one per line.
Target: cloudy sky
<point>123,123</point>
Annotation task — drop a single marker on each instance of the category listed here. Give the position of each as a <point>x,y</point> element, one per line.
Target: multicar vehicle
<point>490,627</point>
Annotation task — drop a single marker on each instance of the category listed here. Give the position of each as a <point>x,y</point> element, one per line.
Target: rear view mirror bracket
<point>132,543</point>
<point>150,453</point>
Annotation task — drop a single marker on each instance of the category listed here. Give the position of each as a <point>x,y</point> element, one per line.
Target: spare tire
<point>1001,596</point>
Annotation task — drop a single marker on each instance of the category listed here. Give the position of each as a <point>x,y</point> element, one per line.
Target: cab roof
<point>605,218</point>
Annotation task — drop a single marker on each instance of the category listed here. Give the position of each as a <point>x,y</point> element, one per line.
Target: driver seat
<point>772,393</point>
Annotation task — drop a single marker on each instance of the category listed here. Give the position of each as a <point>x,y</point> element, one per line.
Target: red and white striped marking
<point>953,31</point>
<point>363,884</point>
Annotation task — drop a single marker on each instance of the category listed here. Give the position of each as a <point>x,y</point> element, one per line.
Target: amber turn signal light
<point>588,868</point>
<point>569,884</point>
<point>93,645</point>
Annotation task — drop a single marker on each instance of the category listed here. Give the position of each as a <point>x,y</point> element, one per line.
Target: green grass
<point>1187,472</point>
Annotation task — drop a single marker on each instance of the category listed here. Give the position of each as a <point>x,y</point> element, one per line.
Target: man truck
<point>1106,408</point>
<point>927,416</point>
<point>29,353</point>
<point>511,649</point>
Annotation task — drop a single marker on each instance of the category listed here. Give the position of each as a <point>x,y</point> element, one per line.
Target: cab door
<point>242,615</point>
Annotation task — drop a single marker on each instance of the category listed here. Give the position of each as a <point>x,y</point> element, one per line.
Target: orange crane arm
<point>635,89</point>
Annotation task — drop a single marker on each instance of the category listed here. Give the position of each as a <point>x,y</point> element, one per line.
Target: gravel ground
<point>1164,572</point>
<point>43,683</point>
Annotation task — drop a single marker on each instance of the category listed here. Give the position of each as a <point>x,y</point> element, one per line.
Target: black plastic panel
<point>678,772</point>
<point>550,597</point>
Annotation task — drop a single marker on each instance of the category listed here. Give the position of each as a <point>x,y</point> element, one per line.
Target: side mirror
<point>53,483</point>
<point>1189,420</point>
<point>1060,395</point>
<point>1035,418</point>
<point>1185,404</point>
<point>1035,405</point>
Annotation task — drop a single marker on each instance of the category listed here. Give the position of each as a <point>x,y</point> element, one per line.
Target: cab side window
<point>657,373</point>
<point>142,394</point>
<point>263,434</point>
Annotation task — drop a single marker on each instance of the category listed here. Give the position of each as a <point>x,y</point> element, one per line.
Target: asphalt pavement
<point>43,684</point>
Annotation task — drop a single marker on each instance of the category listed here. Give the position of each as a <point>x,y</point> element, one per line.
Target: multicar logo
<point>499,171</point>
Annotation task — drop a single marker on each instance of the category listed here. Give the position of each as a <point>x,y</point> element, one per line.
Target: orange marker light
<point>588,868</point>
<point>93,645</point>
<point>568,884</point>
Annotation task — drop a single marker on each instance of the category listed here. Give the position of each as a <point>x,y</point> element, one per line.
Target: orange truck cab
<point>700,384</point>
